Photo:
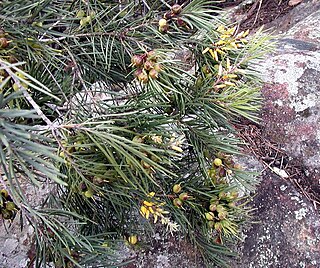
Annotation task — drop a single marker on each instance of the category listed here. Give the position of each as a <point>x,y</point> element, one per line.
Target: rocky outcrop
<point>287,232</point>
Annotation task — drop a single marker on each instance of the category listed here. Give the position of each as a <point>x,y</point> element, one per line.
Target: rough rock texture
<point>167,251</point>
<point>291,114</point>
<point>15,243</point>
<point>14,246</point>
<point>287,232</point>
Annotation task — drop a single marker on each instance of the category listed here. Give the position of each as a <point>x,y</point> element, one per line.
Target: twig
<point>255,20</point>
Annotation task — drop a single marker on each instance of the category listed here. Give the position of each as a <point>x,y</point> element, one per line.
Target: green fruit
<point>177,202</point>
<point>88,193</point>
<point>10,206</point>
<point>163,29</point>
<point>198,85</point>
<point>209,216</point>
<point>213,207</point>
<point>4,193</point>
<point>4,42</point>
<point>223,195</point>
<point>133,239</point>
<point>222,215</point>
<point>218,226</point>
<point>123,13</point>
<point>213,199</point>
<point>155,158</point>
<point>205,69</point>
<point>184,196</point>
<point>145,164</point>
<point>176,9</point>
<point>220,208</point>
<point>7,214</point>
<point>85,20</point>
<point>217,162</point>
<point>162,22</point>
<point>157,67</point>
<point>176,188</point>
<point>2,33</point>
<point>97,180</point>
<point>137,139</point>
<point>237,166</point>
<point>234,194</point>
<point>211,224</point>
<point>80,14</point>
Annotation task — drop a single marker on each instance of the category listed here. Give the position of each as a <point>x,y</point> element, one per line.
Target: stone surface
<point>291,112</point>
<point>287,231</point>
<point>14,246</point>
<point>15,243</point>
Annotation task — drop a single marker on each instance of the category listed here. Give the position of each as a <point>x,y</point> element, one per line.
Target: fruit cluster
<point>222,165</point>
<point>178,202</point>
<point>84,19</point>
<point>172,16</point>
<point>220,207</point>
<point>8,208</point>
<point>147,66</point>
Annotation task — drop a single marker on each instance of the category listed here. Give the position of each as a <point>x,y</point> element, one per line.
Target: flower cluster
<point>226,73</point>
<point>147,66</point>
<point>176,143</point>
<point>155,209</point>
<point>227,41</point>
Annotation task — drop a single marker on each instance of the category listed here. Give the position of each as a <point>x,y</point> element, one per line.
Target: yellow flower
<point>148,204</point>
<point>176,148</point>
<point>151,194</point>
<point>143,210</point>
<point>157,139</point>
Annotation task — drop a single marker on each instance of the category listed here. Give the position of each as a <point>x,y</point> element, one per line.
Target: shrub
<point>125,112</point>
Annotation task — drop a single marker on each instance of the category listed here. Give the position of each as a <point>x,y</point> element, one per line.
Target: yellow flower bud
<point>133,239</point>
<point>217,162</point>
<point>162,22</point>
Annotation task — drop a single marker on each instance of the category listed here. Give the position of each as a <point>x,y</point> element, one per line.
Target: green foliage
<point>113,105</point>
